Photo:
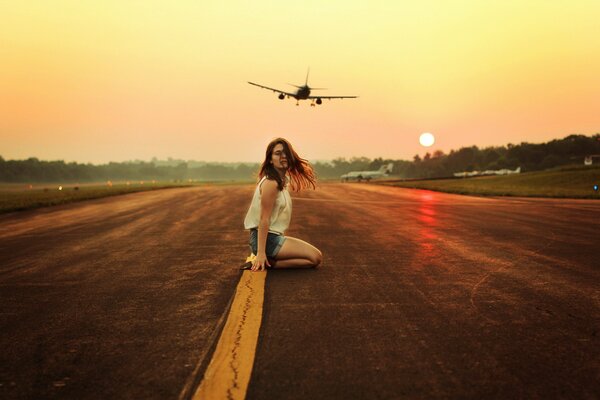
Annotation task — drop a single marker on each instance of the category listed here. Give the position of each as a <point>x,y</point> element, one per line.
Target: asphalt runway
<point>421,295</point>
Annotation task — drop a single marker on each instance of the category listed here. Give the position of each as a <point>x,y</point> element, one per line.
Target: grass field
<point>566,182</point>
<point>24,196</point>
<point>15,197</point>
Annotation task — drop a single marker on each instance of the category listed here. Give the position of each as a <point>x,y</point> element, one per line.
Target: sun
<point>426,139</point>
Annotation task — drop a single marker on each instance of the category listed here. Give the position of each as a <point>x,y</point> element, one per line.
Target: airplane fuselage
<point>368,175</point>
<point>302,93</point>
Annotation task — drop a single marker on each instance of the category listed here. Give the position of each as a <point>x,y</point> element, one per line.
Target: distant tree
<point>461,159</point>
<point>376,163</point>
<point>571,149</point>
<point>490,155</point>
<point>550,161</point>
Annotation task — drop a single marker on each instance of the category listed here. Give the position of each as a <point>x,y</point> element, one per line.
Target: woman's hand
<point>260,263</point>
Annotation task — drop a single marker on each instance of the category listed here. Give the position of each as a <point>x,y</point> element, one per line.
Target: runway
<point>421,295</point>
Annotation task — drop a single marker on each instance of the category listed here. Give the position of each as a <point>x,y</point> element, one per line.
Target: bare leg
<point>296,253</point>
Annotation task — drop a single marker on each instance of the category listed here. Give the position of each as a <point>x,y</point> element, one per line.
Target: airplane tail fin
<point>386,169</point>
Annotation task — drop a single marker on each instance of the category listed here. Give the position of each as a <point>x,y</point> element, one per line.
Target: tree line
<point>530,157</point>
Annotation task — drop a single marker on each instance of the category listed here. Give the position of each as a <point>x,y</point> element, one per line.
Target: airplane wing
<point>332,97</point>
<point>275,90</point>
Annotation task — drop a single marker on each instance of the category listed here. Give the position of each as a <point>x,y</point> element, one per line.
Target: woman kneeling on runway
<point>271,210</point>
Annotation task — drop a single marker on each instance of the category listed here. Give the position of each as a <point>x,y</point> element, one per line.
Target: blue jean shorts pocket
<point>274,243</point>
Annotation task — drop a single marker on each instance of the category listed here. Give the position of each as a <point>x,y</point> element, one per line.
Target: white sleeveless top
<point>280,216</point>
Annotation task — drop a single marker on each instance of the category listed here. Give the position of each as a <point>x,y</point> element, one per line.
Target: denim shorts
<point>274,243</point>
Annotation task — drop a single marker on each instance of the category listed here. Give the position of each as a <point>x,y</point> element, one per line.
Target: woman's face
<point>279,158</point>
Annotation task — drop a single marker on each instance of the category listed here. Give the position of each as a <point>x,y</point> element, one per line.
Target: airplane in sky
<point>359,176</point>
<point>303,93</point>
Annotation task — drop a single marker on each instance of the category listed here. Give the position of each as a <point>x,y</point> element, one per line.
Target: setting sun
<point>426,139</point>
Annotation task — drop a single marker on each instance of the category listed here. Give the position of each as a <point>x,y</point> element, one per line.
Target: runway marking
<point>228,373</point>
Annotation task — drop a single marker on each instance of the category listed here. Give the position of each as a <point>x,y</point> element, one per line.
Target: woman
<point>271,210</point>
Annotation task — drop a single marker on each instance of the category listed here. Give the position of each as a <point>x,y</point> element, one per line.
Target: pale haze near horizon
<point>115,81</point>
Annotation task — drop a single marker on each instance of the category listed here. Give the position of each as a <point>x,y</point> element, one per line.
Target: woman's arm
<point>267,200</point>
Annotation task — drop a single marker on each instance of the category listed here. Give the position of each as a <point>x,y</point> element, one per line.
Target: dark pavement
<point>116,298</point>
<point>429,295</point>
<point>421,295</point>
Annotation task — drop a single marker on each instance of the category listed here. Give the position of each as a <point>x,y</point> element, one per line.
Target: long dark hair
<point>302,175</point>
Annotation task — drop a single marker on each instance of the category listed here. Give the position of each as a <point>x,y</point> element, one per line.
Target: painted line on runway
<point>228,373</point>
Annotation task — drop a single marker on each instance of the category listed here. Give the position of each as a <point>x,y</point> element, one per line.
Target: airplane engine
<point>319,101</point>
<point>281,96</point>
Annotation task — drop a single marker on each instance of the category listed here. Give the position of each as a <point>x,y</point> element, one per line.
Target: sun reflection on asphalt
<point>427,236</point>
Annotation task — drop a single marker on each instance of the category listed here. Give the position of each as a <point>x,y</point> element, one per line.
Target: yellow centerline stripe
<point>228,373</point>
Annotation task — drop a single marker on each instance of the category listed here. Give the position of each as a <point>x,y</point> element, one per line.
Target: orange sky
<point>113,81</point>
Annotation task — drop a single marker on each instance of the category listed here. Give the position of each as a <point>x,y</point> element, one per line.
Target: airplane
<point>503,171</point>
<point>368,175</point>
<point>303,93</point>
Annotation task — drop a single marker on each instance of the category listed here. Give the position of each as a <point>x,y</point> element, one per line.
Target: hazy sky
<point>97,81</point>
